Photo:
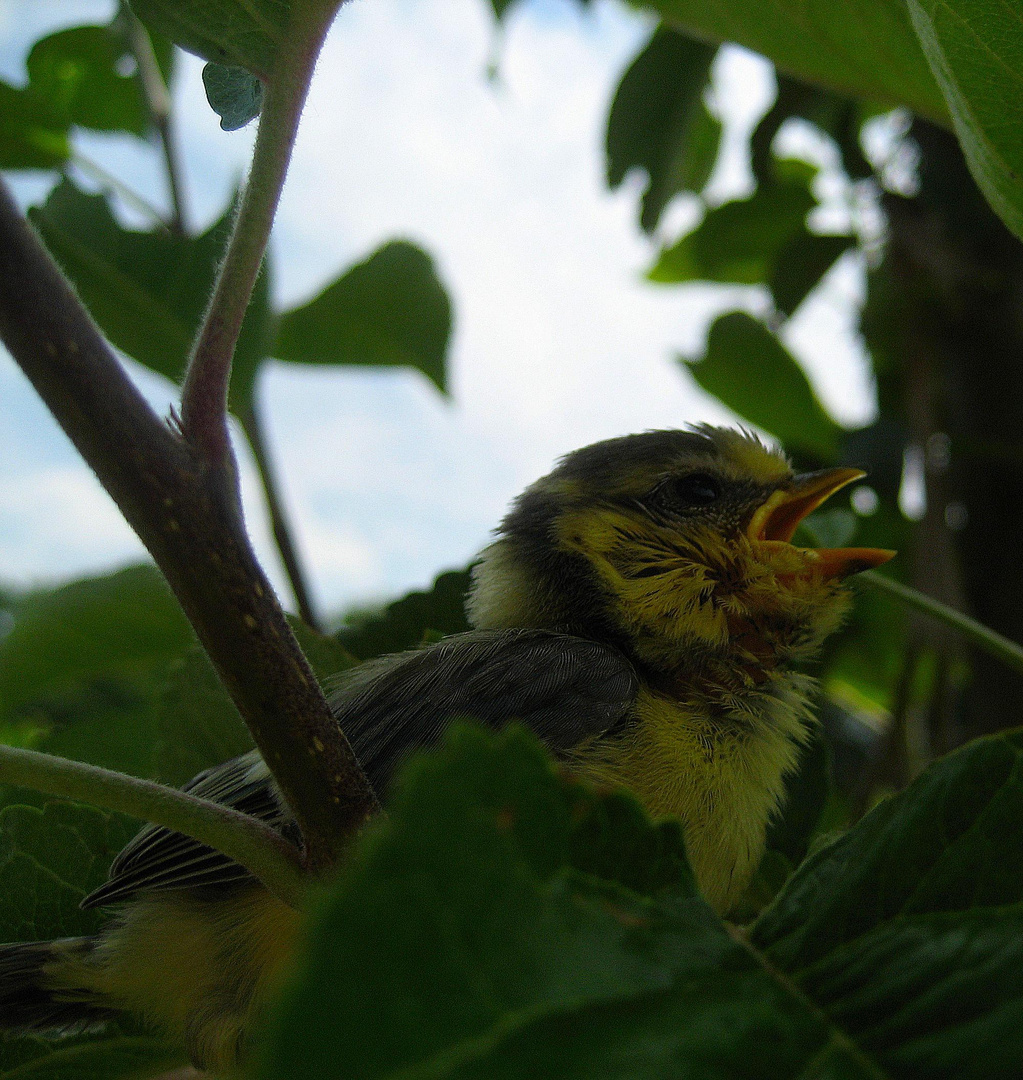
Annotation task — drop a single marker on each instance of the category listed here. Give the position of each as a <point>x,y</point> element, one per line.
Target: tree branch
<point>196,537</point>
<point>249,842</point>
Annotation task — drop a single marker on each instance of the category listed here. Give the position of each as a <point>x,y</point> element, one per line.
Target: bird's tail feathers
<point>31,999</point>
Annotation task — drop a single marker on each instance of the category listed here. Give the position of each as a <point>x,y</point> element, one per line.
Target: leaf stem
<point>1009,652</point>
<point>250,843</point>
<point>204,395</point>
<point>253,427</point>
<point>158,104</point>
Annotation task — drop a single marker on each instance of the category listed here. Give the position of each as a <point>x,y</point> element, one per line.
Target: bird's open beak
<point>775,522</point>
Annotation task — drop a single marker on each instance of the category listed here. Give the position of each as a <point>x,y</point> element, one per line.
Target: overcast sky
<point>558,341</point>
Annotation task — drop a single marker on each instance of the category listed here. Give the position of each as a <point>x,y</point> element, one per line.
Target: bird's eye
<point>691,491</point>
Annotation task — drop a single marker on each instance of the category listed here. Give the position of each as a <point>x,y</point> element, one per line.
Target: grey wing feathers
<point>564,688</point>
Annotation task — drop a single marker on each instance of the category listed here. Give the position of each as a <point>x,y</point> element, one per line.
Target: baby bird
<point>642,610</point>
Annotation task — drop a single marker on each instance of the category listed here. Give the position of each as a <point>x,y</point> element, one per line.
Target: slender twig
<point>204,395</point>
<point>1009,652</point>
<point>249,842</point>
<point>158,103</point>
<point>128,194</point>
<point>253,428</point>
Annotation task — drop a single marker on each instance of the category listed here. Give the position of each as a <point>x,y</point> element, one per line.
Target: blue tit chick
<point>642,610</point>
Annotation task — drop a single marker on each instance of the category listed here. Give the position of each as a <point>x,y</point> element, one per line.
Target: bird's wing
<point>564,688</point>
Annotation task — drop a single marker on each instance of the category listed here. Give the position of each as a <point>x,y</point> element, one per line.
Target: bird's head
<point>675,546</point>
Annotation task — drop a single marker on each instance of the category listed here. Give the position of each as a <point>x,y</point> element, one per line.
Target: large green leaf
<point>659,123</point>
<point>503,924</point>
<point>241,33</point>
<point>863,48</point>
<point>908,931</point>
<point>975,49</point>
<point>148,290</point>
<point>748,369</point>
<point>389,310</point>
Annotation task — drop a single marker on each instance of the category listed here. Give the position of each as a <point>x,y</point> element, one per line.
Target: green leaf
<point>50,860</point>
<point>800,265</point>
<point>238,33</point>
<point>496,926</point>
<point>740,241</point>
<point>410,621</point>
<point>975,49</point>
<point>658,122</point>
<point>148,290</point>
<point>389,310</point>
<point>751,372</point>
<point>32,134</point>
<point>234,94</point>
<point>122,625</point>
<point>82,667</point>
<point>908,930</point>
<point>862,48</point>
<point>76,72</point>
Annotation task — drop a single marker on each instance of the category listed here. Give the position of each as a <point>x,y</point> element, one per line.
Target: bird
<point>642,609</point>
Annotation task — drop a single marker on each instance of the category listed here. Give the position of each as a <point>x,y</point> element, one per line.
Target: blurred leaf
<point>148,290</point>
<point>82,668</point>
<point>863,49</point>
<point>234,94</point>
<point>975,50</point>
<point>389,310</point>
<point>407,622</point>
<point>240,33</point>
<point>749,370</point>
<point>32,135</point>
<point>125,624</point>
<point>740,241</point>
<point>658,122</point>
<point>800,265</point>
<point>76,71</point>
<point>527,943</point>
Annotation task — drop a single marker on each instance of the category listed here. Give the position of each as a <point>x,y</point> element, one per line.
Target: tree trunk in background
<point>960,275</point>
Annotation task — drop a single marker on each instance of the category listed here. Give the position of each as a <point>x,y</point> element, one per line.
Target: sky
<point>558,341</point>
